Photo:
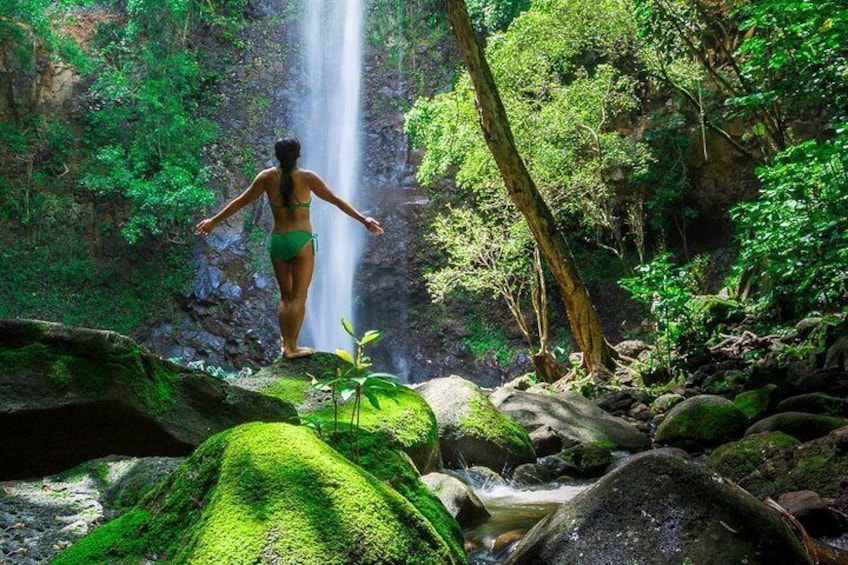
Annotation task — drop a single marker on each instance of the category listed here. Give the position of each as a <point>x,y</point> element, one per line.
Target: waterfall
<point>328,119</point>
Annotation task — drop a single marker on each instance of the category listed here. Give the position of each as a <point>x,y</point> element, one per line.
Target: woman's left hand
<point>205,227</point>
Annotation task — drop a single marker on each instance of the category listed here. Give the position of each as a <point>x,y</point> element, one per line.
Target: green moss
<point>801,425</point>
<point>150,379</point>
<point>397,469</point>
<point>291,389</point>
<point>404,420</point>
<point>484,421</point>
<point>739,459</point>
<point>820,465</point>
<point>705,420</point>
<point>269,492</point>
<point>121,538</point>
<point>756,403</point>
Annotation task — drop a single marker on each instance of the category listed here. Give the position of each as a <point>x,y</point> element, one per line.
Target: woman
<point>289,191</point>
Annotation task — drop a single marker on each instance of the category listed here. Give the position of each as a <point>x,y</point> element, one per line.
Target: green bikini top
<point>295,202</point>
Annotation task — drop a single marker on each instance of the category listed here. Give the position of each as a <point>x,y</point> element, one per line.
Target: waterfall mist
<point>328,122</point>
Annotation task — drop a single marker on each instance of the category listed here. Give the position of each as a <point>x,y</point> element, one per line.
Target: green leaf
<point>384,376</point>
<point>348,327</point>
<point>347,393</point>
<point>344,356</point>
<point>370,335</point>
<point>372,398</point>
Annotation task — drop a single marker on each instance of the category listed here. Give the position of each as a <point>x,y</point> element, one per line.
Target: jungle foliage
<point>608,101</point>
<point>110,187</point>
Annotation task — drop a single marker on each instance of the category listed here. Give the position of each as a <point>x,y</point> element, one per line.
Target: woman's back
<point>294,214</point>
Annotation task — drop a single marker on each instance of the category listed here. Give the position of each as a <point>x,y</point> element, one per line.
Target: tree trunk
<point>584,320</point>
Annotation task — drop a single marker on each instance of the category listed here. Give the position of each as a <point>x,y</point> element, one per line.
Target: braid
<point>287,151</point>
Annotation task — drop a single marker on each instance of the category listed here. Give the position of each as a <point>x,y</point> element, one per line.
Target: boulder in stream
<point>471,430</point>
<point>458,498</point>
<point>660,511</point>
<point>573,417</point>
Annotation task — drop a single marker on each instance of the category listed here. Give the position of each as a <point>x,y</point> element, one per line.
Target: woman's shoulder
<point>269,172</point>
<point>305,173</point>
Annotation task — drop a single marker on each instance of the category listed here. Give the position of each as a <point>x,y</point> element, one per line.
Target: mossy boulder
<point>663,511</point>
<point>587,459</point>
<point>69,395</point>
<point>268,493</point>
<point>573,417</point>
<point>666,402</point>
<point>758,402</point>
<point>458,498</point>
<point>702,421</point>
<point>820,465</point>
<point>801,425</point>
<point>755,460</point>
<point>815,403</point>
<point>404,420</point>
<point>471,430</point>
<point>395,442</point>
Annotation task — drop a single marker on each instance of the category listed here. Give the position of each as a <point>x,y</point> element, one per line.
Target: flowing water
<point>513,512</point>
<point>329,130</point>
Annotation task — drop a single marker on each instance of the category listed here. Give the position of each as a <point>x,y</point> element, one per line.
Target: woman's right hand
<point>204,227</point>
<point>373,226</point>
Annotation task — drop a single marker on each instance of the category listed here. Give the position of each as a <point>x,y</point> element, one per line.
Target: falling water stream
<point>328,118</point>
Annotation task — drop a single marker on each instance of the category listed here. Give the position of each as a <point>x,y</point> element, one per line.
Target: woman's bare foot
<point>298,352</point>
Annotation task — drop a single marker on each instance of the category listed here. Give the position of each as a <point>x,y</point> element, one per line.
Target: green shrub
<point>794,237</point>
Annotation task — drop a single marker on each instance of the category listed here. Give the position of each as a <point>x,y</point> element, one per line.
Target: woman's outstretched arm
<point>322,191</point>
<point>256,188</point>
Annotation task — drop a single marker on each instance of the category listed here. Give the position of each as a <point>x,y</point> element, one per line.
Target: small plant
<point>355,380</point>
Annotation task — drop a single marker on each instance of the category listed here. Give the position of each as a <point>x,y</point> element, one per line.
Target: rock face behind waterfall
<point>471,431</point>
<point>661,511</point>
<point>268,493</point>
<point>68,395</point>
<point>570,417</point>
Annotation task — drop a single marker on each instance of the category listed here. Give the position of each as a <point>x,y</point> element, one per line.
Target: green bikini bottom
<point>284,246</point>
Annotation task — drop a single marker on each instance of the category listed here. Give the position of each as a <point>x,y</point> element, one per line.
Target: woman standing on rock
<point>289,190</point>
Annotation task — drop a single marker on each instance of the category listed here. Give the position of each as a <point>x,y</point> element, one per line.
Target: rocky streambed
<point>633,476</point>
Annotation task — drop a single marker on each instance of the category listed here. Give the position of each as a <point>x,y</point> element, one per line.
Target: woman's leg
<point>282,270</point>
<point>294,310</point>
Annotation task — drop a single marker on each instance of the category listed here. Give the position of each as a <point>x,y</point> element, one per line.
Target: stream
<point>514,511</point>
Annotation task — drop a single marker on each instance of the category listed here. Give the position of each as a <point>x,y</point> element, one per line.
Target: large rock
<point>268,493</point>
<point>801,425</point>
<point>758,402</point>
<point>404,420</point>
<point>815,403</point>
<point>702,421</point>
<point>458,498</point>
<point>471,430</point>
<point>69,395</point>
<point>820,465</point>
<point>660,511</point>
<point>574,418</point>
<point>755,461</point>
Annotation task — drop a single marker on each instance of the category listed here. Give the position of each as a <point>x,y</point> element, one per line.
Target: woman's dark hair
<point>287,151</point>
